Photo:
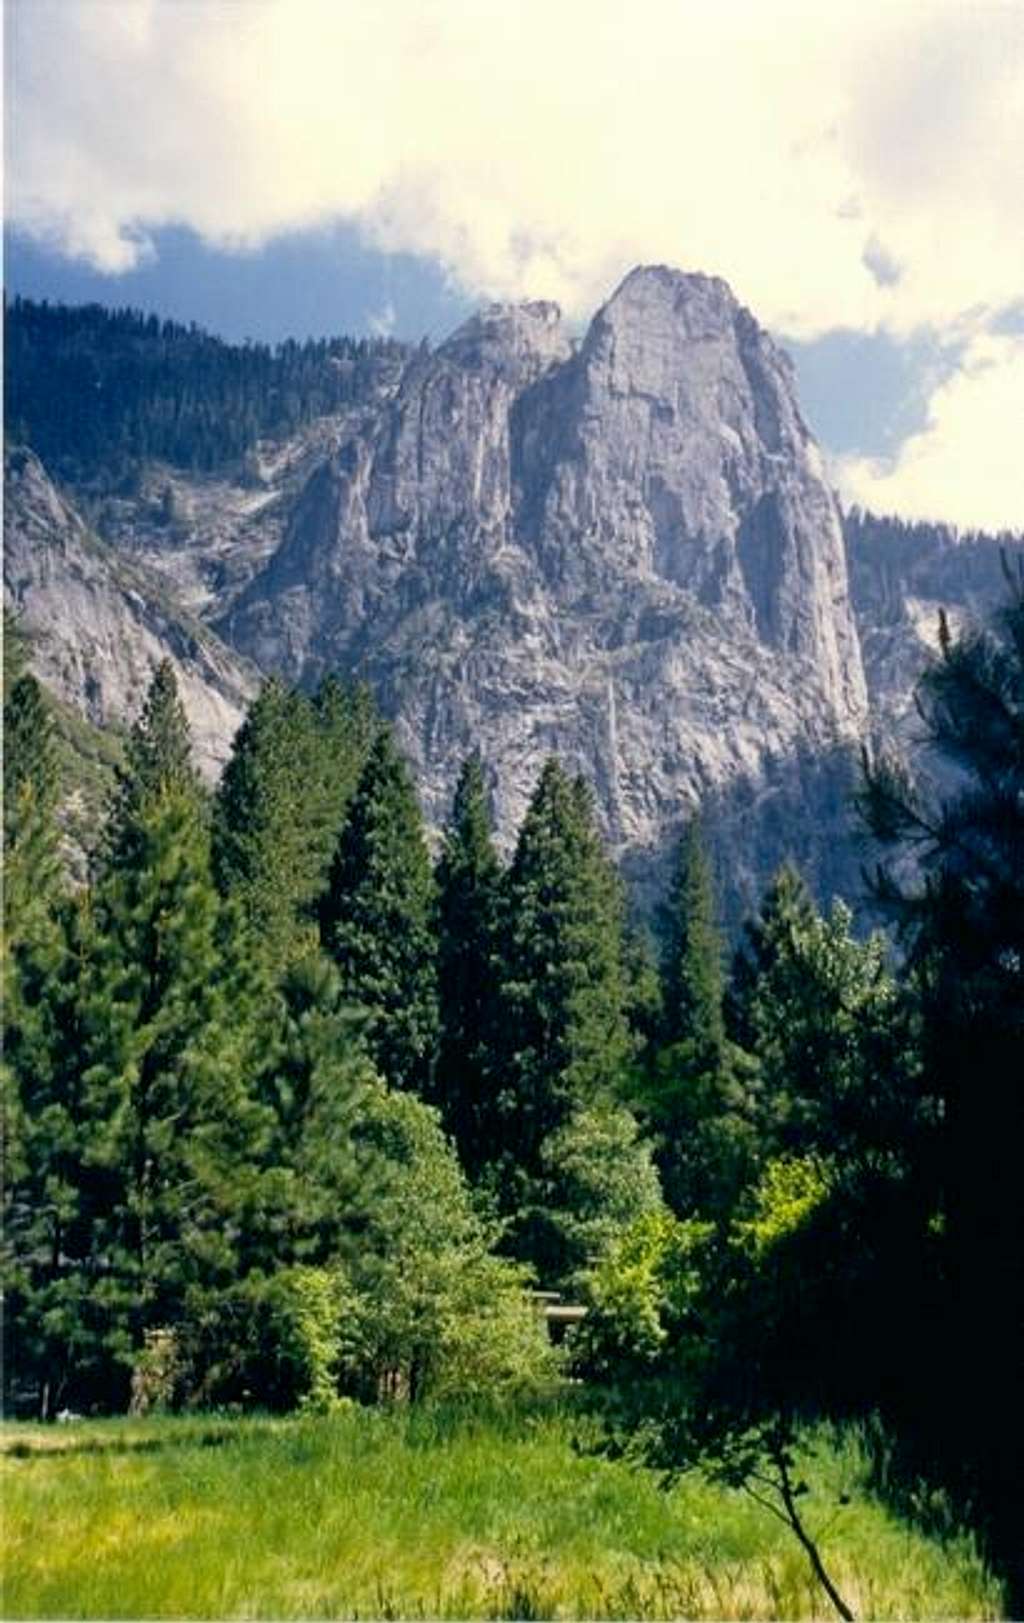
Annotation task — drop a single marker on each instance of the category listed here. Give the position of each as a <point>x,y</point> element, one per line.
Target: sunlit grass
<point>392,1514</point>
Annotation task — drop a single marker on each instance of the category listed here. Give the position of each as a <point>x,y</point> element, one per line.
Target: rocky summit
<point>620,549</point>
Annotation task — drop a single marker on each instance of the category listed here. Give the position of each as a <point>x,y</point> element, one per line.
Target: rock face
<point>101,623</point>
<point>625,553</point>
<point>620,549</point>
<point>901,577</point>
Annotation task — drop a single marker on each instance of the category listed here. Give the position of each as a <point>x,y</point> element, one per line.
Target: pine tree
<point>346,724</point>
<point>310,1190</point>
<point>158,759</point>
<point>829,1032</point>
<point>563,1022</point>
<point>32,867</point>
<point>52,1189</point>
<point>787,912</point>
<point>377,919</point>
<point>468,881</point>
<point>692,958</point>
<point>963,925</point>
<point>260,855</point>
<point>294,765</point>
<point>166,1046</point>
<point>168,1054</point>
<point>696,1089</point>
<point>42,1129</point>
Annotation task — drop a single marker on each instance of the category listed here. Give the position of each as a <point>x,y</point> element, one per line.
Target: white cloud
<point>964,466</point>
<point>541,149</point>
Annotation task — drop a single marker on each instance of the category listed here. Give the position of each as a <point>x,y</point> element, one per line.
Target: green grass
<point>397,1514</point>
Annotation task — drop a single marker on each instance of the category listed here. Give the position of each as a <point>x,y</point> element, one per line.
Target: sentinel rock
<point>619,548</point>
<point>622,552</point>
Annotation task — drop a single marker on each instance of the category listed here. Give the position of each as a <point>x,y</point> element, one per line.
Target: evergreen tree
<point>260,855</point>
<point>53,1191</point>
<point>41,1126</point>
<point>280,803</point>
<point>963,924</point>
<point>692,956</point>
<point>563,1020</point>
<point>468,879</point>
<point>158,760</point>
<point>695,1089</point>
<point>787,912</point>
<point>166,1024</point>
<point>377,919</point>
<point>32,868</point>
<point>169,1051</point>
<point>313,1191</point>
<point>823,1017</point>
<point>346,724</point>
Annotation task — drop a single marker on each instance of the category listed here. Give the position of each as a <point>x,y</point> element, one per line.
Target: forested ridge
<point>296,1113</point>
<point>95,390</point>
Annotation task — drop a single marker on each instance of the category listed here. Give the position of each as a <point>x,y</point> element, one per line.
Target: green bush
<point>641,1291</point>
<point>270,1342</point>
<point>432,1310</point>
<point>598,1177</point>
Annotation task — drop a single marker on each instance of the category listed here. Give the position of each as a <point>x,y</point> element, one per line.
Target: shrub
<point>272,1342</point>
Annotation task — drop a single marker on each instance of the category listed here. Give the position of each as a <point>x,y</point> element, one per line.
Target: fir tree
<point>32,868</point>
<point>280,803</point>
<point>786,914</point>
<point>692,954</point>
<point>53,1191</point>
<point>346,722</point>
<point>260,855</point>
<point>169,1027</point>
<point>563,1019</point>
<point>696,1090</point>
<point>314,1076</point>
<point>158,759</point>
<point>377,919</point>
<point>963,925</point>
<point>169,1045</point>
<point>468,879</point>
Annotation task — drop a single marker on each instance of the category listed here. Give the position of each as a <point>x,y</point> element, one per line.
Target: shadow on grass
<point>213,1438</point>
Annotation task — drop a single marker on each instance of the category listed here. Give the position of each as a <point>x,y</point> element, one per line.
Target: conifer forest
<point>301,1113</point>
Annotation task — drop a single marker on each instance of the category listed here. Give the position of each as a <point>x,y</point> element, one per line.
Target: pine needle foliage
<point>377,919</point>
<point>469,918</point>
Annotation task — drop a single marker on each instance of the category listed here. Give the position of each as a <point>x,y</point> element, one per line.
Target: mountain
<point>622,549</point>
<point>99,622</point>
<point>623,552</point>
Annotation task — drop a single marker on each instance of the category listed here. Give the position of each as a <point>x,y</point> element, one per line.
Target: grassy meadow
<point>392,1514</point>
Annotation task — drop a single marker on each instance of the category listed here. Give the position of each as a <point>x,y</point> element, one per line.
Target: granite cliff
<point>620,548</point>
<point>100,622</point>
<point>622,551</point>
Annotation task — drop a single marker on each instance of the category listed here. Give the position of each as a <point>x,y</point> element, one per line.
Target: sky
<point>292,167</point>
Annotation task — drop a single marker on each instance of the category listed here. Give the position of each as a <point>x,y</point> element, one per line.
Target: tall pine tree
<point>566,1040</point>
<point>280,803</point>
<point>692,954</point>
<point>963,924</point>
<point>158,760</point>
<point>169,1039</point>
<point>469,897</point>
<point>786,914</point>
<point>695,1090</point>
<point>377,919</point>
<point>261,851</point>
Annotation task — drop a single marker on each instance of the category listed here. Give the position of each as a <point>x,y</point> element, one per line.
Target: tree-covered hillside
<point>92,389</point>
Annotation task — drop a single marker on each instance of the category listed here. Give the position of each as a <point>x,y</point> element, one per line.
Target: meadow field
<point>419,1514</point>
